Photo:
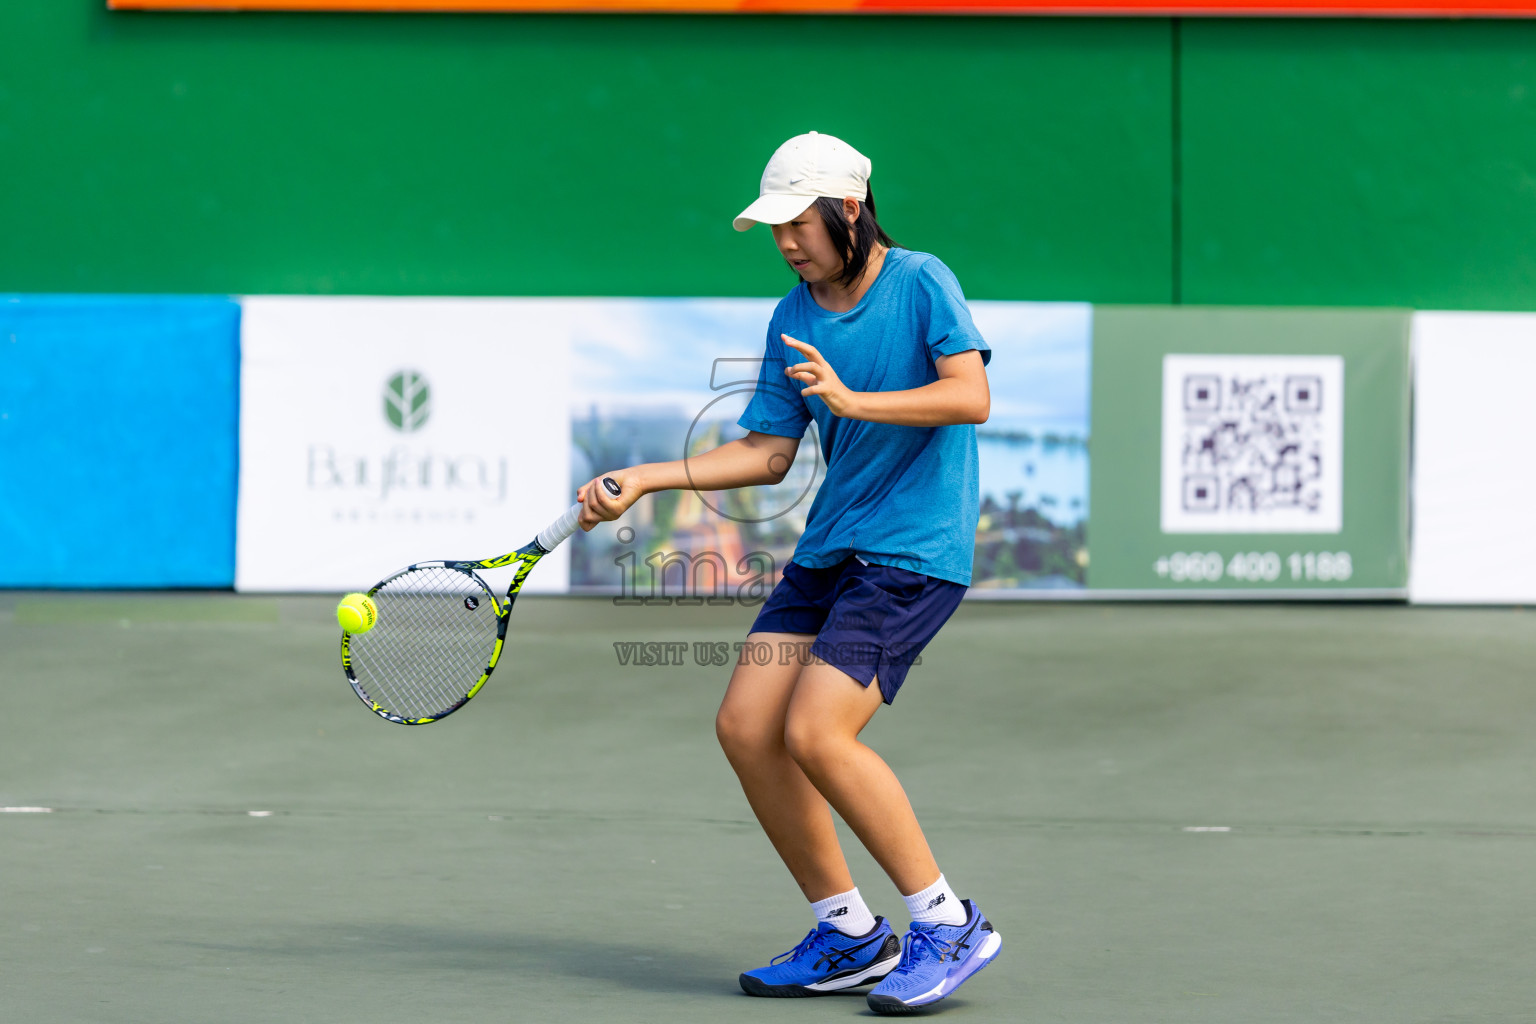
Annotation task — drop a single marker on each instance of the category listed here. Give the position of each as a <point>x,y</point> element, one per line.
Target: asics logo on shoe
<point>955,948</point>
<point>935,901</point>
<point>834,958</point>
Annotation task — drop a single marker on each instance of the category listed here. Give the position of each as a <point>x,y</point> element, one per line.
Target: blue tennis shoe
<point>827,961</point>
<point>935,960</point>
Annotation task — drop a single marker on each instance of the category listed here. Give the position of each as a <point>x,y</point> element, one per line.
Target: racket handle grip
<point>553,535</point>
<point>556,533</point>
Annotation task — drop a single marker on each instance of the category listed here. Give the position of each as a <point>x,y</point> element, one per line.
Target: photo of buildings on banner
<point>1031,532</point>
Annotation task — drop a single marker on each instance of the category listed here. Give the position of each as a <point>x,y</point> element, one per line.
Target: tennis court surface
<point>1172,813</point>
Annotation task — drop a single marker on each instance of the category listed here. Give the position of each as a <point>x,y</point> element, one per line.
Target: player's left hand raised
<point>822,379</point>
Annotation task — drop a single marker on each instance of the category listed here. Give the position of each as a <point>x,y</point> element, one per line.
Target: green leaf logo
<point>407,401</point>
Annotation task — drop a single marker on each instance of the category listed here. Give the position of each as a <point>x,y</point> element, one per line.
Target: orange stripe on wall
<point>442,6</point>
<point>1449,8</point>
<point>1246,8</point>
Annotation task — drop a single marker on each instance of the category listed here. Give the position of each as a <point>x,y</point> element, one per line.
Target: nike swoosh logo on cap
<point>795,181</point>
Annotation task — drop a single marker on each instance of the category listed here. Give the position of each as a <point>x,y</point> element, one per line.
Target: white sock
<point>846,912</point>
<point>936,904</point>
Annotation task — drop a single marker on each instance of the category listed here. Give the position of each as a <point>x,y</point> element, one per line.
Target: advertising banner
<point>117,440</point>
<point>661,379</point>
<point>655,380</point>
<point>1032,538</point>
<point>1156,8</point>
<point>1253,452</point>
<point>1473,490</point>
<point>380,432</point>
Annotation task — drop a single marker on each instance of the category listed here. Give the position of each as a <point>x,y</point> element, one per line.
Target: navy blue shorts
<point>870,621</point>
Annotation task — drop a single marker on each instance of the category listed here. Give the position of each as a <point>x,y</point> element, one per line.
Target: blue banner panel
<point>119,440</point>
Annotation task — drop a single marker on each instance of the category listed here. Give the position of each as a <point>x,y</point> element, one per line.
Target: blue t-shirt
<point>894,495</point>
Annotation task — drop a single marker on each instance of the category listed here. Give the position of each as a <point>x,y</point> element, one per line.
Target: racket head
<point>438,637</point>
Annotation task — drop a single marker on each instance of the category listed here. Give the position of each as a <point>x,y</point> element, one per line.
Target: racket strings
<point>435,634</point>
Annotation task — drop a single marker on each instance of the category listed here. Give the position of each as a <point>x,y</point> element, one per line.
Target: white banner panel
<point>376,432</point>
<point>1473,485</point>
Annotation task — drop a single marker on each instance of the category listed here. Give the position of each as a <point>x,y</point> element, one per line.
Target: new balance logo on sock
<point>936,904</point>
<point>844,912</point>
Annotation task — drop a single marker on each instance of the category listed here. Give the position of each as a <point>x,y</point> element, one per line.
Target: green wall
<point>564,155</point>
<point>1123,161</point>
<point>1384,163</point>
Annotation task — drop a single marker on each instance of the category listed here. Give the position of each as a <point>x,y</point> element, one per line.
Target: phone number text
<point>1254,566</point>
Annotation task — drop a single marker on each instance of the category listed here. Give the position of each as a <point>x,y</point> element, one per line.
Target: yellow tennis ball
<point>357,613</point>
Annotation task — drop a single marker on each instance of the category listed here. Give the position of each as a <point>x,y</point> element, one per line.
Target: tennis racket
<point>440,631</point>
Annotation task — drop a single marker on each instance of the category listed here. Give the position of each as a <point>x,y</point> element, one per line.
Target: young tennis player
<point>877,346</point>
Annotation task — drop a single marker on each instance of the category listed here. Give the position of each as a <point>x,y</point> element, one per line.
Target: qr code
<point>1252,444</point>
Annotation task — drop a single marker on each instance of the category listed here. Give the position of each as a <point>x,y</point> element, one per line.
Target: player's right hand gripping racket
<point>440,631</point>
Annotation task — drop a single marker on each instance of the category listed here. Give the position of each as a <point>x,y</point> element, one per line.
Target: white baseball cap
<point>801,171</point>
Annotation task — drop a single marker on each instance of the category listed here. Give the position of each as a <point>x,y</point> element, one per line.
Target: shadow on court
<point>405,951</point>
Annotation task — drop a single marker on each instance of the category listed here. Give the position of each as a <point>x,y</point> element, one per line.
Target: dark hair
<point>866,231</point>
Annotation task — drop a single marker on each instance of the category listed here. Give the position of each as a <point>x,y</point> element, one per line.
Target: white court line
<point>1207,828</point>
<point>26,810</point>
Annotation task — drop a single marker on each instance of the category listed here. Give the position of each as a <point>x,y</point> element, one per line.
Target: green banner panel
<point>1250,451</point>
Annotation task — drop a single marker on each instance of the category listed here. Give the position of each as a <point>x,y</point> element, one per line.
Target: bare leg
<point>826,712</point>
<point>751,728</point>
